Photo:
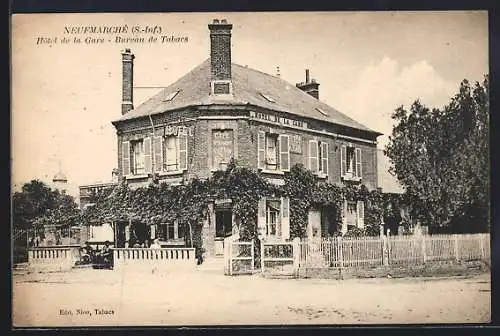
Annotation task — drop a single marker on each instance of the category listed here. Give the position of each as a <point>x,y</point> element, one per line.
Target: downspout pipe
<point>152,145</point>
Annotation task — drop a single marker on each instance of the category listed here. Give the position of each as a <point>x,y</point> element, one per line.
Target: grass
<point>432,269</point>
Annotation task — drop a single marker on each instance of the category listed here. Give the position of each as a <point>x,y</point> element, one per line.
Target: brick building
<point>221,110</point>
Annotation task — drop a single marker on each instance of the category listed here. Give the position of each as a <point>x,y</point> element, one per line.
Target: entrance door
<point>223,229</point>
<point>351,215</point>
<point>314,224</point>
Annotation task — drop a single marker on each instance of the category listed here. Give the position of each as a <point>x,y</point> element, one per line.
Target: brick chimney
<point>127,80</point>
<point>220,56</point>
<point>310,86</point>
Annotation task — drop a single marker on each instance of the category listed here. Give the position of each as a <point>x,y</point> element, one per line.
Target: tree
<point>37,204</point>
<point>441,157</point>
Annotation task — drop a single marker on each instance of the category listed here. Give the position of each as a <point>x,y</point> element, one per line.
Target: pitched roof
<point>249,87</point>
<point>388,182</point>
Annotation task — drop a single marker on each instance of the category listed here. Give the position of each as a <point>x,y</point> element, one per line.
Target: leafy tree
<point>441,157</point>
<point>37,204</point>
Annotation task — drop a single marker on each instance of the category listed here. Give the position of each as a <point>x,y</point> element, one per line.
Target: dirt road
<point>98,297</point>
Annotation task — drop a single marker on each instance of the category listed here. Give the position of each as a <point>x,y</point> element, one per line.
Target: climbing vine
<point>189,203</point>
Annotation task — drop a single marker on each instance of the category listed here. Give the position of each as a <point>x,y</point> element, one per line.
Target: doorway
<point>223,229</point>
<point>314,224</point>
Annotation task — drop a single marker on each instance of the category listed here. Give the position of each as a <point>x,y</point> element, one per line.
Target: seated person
<point>87,253</point>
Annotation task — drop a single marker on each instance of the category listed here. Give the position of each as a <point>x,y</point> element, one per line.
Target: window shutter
<point>359,162</point>
<point>284,152</point>
<point>324,157</point>
<point>147,155</point>
<point>183,152</point>
<point>361,214</point>
<point>261,217</point>
<point>285,218</point>
<point>126,158</point>
<point>313,155</point>
<point>158,153</point>
<point>153,231</point>
<point>343,160</point>
<point>261,149</point>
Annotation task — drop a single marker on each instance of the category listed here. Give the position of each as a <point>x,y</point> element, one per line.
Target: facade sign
<point>278,120</point>
<point>179,130</point>
<point>222,147</point>
<point>295,143</point>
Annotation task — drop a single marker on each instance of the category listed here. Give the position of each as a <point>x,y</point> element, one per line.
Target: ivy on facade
<point>189,203</point>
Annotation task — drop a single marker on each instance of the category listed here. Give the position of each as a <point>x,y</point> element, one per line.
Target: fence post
<point>252,253</point>
<point>455,238</point>
<point>385,251</point>
<point>341,259</point>
<point>262,255</point>
<point>296,255</point>
<point>424,258</point>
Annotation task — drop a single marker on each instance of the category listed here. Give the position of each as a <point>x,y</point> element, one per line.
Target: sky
<point>64,96</point>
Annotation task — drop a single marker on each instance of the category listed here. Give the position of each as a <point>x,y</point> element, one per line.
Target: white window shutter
<point>261,150</point>
<point>158,153</point>
<point>284,142</point>
<point>324,157</point>
<point>359,162</point>
<point>183,152</point>
<point>261,217</point>
<point>361,214</point>
<point>343,160</point>
<point>285,218</point>
<point>147,155</point>
<point>313,156</point>
<point>126,158</point>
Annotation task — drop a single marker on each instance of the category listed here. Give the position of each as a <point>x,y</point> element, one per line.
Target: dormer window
<point>221,87</point>
<point>322,112</point>
<point>171,96</point>
<point>268,98</point>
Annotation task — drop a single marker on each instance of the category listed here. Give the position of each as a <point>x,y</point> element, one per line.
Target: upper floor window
<point>273,151</point>
<point>171,157</point>
<point>318,157</point>
<point>351,163</point>
<point>165,153</point>
<point>134,156</point>
<point>138,157</point>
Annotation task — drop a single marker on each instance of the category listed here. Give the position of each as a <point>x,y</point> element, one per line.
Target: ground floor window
<point>273,218</point>
<point>170,231</point>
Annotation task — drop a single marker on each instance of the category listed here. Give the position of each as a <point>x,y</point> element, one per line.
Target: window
<point>137,156</point>
<point>274,218</point>
<point>354,213</point>
<point>318,157</point>
<point>351,163</point>
<point>221,87</point>
<point>171,96</point>
<point>171,159</point>
<point>268,98</point>
<point>321,111</point>
<point>273,151</point>
<point>170,153</point>
<point>170,231</point>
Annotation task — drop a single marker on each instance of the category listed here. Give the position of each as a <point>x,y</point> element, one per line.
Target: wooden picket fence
<point>395,250</point>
